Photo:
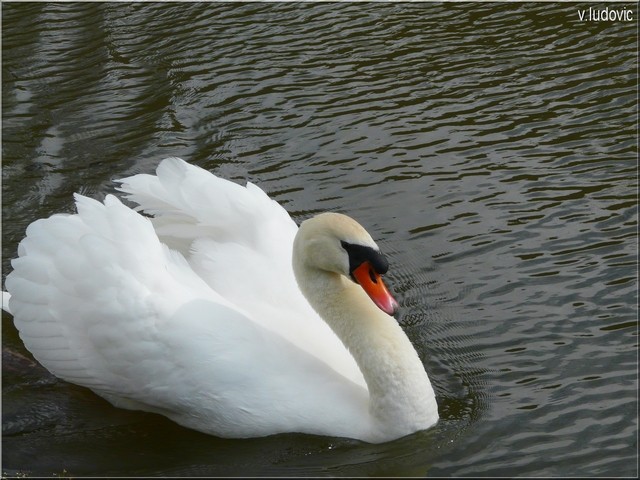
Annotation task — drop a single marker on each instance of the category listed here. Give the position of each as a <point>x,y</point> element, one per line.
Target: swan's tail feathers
<point>5,301</point>
<point>188,203</point>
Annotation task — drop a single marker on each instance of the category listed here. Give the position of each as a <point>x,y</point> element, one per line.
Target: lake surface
<point>491,149</point>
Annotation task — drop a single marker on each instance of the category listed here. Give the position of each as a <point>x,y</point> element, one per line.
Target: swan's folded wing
<point>89,293</point>
<point>188,202</point>
<point>236,238</point>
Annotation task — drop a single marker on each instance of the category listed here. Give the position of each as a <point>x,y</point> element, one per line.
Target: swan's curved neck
<point>401,398</point>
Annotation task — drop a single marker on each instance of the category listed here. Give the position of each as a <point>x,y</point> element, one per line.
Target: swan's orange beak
<point>371,283</point>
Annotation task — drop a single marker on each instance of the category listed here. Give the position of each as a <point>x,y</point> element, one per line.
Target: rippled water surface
<point>490,148</point>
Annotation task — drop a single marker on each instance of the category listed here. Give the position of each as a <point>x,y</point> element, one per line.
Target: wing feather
<point>239,241</point>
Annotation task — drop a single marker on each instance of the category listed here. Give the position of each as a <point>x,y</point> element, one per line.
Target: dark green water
<point>490,148</point>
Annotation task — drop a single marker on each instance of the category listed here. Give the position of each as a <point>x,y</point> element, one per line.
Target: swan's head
<point>336,243</point>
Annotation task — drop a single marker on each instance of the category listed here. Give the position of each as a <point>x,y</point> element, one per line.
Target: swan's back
<point>199,332</point>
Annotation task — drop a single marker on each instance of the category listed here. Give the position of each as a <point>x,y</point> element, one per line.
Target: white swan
<point>196,313</point>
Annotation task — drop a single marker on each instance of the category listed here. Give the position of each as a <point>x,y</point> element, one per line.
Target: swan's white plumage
<point>220,226</point>
<point>194,314</point>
